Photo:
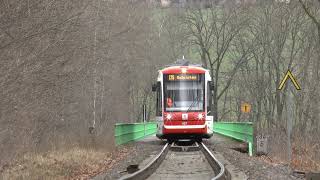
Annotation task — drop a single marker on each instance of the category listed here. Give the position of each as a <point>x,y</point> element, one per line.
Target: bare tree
<point>214,32</point>
<point>67,69</point>
<point>314,97</point>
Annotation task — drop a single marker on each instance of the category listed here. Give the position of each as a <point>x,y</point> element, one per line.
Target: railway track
<point>181,160</point>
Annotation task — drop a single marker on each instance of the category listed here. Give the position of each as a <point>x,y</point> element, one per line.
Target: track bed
<point>184,165</point>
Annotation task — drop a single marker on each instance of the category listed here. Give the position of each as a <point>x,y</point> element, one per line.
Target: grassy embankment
<point>76,163</point>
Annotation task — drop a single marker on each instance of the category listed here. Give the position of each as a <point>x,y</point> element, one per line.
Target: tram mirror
<point>154,87</point>
<point>211,85</point>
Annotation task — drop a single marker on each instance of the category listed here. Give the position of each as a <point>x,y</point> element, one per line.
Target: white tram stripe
<point>185,127</point>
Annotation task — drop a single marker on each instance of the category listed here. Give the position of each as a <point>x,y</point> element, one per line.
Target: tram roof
<point>183,70</point>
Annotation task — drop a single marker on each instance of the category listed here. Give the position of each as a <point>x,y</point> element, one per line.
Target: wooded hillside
<point>71,69</point>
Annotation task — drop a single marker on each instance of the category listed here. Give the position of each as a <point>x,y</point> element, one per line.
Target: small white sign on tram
<point>184,116</point>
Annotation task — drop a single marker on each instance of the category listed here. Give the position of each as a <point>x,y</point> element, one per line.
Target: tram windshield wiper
<point>191,105</point>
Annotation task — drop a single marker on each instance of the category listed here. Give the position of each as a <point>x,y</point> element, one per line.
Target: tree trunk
<point>215,95</point>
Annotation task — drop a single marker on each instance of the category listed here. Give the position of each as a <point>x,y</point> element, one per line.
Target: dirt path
<point>142,150</point>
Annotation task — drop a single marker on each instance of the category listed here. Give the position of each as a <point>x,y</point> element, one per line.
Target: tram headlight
<point>168,116</point>
<point>200,116</point>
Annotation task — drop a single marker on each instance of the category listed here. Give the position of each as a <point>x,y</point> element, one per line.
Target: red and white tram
<point>183,109</point>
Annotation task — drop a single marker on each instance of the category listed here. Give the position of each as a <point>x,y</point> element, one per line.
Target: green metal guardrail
<point>242,131</point>
<point>125,132</point>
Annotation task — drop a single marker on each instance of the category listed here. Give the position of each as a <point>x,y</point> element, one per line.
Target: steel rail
<point>216,165</point>
<point>150,167</point>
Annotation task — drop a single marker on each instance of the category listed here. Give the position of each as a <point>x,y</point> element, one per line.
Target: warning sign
<point>246,107</point>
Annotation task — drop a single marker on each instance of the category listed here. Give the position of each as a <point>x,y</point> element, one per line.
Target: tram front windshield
<point>184,92</point>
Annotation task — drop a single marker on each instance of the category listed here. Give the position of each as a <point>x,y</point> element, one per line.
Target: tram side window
<point>209,98</point>
<point>159,100</point>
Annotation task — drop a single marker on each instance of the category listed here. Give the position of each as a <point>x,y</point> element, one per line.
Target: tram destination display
<point>186,77</point>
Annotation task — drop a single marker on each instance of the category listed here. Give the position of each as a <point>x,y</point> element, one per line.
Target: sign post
<point>144,118</point>
<point>246,108</point>
<point>289,120</point>
<point>290,108</point>
<point>144,113</point>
